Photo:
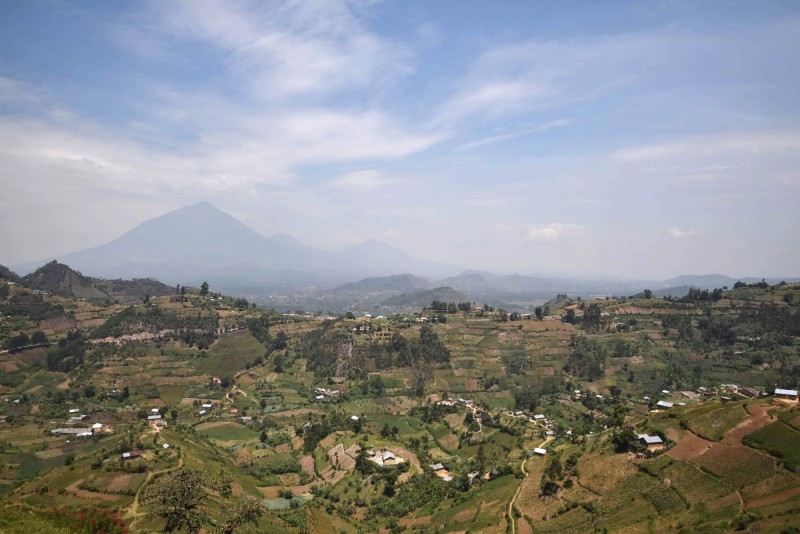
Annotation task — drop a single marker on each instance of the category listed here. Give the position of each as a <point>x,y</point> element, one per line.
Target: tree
<point>539,312</point>
<point>648,294</point>
<point>250,511</point>
<point>204,289</point>
<point>281,341</point>
<point>177,496</point>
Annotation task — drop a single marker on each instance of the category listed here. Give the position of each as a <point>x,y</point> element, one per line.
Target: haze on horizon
<point>624,139</point>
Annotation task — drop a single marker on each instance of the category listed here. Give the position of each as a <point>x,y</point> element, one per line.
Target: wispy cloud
<point>554,231</point>
<point>513,135</point>
<point>361,181</point>
<point>526,76</point>
<point>678,233</point>
<point>748,143</point>
<point>285,48</point>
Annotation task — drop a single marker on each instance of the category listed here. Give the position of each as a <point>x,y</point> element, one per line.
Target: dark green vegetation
<point>274,422</point>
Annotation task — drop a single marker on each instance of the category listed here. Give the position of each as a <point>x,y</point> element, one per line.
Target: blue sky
<point>625,139</point>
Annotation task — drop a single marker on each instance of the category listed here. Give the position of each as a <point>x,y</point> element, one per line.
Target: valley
<point>448,419</point>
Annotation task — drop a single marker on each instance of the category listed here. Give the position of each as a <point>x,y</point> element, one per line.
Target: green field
<point>230,353</point>
<point>779,440</point>
<point>227,432</point>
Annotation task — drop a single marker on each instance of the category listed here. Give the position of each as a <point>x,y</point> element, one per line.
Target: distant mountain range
<point>201,243</point>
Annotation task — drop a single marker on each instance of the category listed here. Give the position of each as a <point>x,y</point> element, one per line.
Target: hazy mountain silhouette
<point>202,242</point>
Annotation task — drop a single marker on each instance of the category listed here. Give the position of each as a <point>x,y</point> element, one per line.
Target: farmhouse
<point>749,392</point>
<point>663,405</point>
<point>654,443</point>
<point>539,451</point>
<point>132,455</point>
<point>786,394</point>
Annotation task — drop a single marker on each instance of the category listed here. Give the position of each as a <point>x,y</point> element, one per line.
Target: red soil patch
<point>298,411</point>
<point>728,500</point>
<point>548,371</point>
<point>689,446</point>
<point>120,482</point>
<point>774,498</point>
<point>73,488</point>
<point>413,521</point>
<point>471,384</point>
<point>465,515</point>
<point>307,465</point>
<point>759,419</point>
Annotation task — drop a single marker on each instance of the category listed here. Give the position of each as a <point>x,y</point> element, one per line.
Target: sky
<point>627,139</point>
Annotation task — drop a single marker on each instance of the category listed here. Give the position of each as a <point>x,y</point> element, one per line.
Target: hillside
<point>8,274</point>
<point>419,299</point>
<point>62,280</point>
<point>398,282</point>
<point>286,408</point>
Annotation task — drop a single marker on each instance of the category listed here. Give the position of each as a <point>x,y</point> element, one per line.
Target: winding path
<point>133,509</point>
<point>514,499</point>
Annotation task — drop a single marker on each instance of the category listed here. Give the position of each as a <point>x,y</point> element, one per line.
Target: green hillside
<point>280,418</point>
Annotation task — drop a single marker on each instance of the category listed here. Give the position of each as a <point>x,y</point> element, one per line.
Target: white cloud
<point>513,135</point>
<point>739,144</point>
<point>361,181</point>
<point>678,233</point>
<point>531,75</point>
<point>287,48</point>
<point>553,231</point>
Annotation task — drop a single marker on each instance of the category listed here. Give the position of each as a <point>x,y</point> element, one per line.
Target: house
<point>132,455</point>
<point>202,412</point>
<point>653,443</point>
<point>154,417</point>
<point>153,410</point>
<point>207,406</point>
<point>663,405</point>
<point>437,467</point>
<point>388,458</point>
<point>538,417</point>
<point>355,417</point>
<point>540,452</point>
<point>786,394</point>
<point>750,392</point>
<point>74,410</point>
<point>234,411</point>
<point>97,427</point>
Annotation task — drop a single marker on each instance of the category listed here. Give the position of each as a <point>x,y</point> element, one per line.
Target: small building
<point>437,467</point>
<point>74,410</point>
<point>154,417</point>
<point>207,406</point>
<point>234,411</point>
<point>653,443</point>
<point>154,410</point>
<point>750,392</point>
<point>786,394</point>
<point>202,412</point>
<point>664,405</point>
<point>539,451</point>
<point>538,417</point>
<point>388,458</point>
<point>354,417</point>
<point>132,455</point>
